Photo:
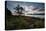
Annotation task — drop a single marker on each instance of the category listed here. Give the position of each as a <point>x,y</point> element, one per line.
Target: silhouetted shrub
<point>8,12</point>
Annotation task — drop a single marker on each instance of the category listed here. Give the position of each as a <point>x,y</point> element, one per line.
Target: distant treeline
<point>37,14</point>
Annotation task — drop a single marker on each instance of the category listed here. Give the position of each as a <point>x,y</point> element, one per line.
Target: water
<point>39,16</point>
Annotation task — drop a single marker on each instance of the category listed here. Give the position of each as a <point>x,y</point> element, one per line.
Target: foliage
<point>8,12</point>
<point>19,22</point>
<point>19,9</point>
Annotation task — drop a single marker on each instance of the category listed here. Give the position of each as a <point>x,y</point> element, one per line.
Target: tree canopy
<point>19,9</point>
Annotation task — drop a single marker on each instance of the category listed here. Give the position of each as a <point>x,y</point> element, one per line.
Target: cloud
<point>30,8</point>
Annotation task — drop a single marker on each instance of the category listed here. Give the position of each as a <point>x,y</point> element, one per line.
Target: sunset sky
<point>29,7</point>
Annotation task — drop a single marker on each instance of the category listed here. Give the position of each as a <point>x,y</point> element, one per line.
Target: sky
<point>29,7</point>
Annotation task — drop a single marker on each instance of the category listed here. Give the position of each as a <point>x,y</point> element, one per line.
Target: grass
<point>23,22</point>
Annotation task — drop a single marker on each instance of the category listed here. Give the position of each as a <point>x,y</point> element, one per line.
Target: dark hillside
<point>23,22</point>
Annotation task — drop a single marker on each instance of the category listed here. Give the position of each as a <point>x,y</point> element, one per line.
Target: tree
<point>19,9</point>
<point>8,12</point>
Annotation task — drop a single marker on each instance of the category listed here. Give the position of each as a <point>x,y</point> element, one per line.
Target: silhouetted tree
<point>19,9</point>
<point>7,12</point>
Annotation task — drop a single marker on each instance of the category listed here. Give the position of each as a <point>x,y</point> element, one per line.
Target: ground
<point>23,22</point>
